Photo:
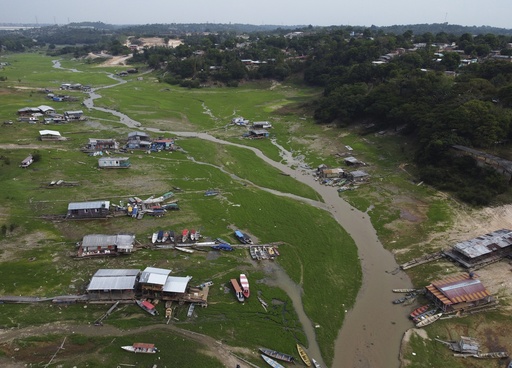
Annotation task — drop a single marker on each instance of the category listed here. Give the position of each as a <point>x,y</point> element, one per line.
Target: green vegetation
<point>36,253</point>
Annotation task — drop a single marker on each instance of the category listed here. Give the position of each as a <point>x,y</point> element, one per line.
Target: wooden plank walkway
<point>422,260</point>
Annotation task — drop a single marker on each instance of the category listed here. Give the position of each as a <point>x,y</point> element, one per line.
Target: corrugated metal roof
<point>88,205</point>
<point>458,289</point>
<point>175,284</point>
<point>104,272</point>
<point>49,132</point>
<point>485,244</point>
<point>153,275</point>
<point>96,240</point>
<point>162,271</point>
<point>112,283</point>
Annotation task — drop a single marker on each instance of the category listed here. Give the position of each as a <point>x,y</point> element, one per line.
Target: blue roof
<point>238,233</point>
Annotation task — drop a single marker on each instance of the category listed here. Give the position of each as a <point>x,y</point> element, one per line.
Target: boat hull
<point>244,283</point>
<point>277,355</point>
<point>429,320</point>
<point>304,356</point>
<point>141,348</point>
<point>271,362</point>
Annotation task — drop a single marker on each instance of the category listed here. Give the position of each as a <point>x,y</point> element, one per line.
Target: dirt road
<point>213,347</point>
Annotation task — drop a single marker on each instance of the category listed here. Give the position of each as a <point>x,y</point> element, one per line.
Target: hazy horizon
<point>265,12</point>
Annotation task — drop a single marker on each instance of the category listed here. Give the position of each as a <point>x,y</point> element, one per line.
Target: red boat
<point>184,235</point>
<point>244,283</point>
<point>419,311</point>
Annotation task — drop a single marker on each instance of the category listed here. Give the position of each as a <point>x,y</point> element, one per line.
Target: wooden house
<point>86,210</point>
<point>74,115</point>
<point>105,245</point>
<point>458,293</point>
<point>357,176</point>
<point>96,145</point>
<point>152,281</point>
<point>162,144</point>
<point>482,250</point>
<point>113,284</point>
<point>50,135</point>
<point>258,133</point>
<point>138,140</point>
<point>328,173</point>
<point>46,110</point>
<point>114,162</point>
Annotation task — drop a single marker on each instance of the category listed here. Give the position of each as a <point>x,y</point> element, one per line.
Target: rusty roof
<point>485,244</point>
<point>458,289</point>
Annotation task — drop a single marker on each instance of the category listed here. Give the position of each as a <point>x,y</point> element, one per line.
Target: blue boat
<point>242,238</point>
<point>211,192</point>
<point>222,246</point>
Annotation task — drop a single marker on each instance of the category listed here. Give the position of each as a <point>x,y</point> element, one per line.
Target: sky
<point>494,13</point>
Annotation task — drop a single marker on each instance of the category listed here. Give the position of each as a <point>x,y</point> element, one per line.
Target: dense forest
<point>437,89</point>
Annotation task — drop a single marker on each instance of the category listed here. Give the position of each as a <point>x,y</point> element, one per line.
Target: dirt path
<point>212,347</point>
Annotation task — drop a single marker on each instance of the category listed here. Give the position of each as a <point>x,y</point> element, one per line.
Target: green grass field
<point>319,255</point>
<point>40,263</point>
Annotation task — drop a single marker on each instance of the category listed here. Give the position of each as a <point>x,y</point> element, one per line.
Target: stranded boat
<point>245,285</point>
<point>242,237</point>
<point>271,362</point>
<point>186,250</point>
<point>303,355</point>
<point>140,347</point>
<point>238,291</point>
<point>147,306</point>
<point>428,320</point>
<point>184,235</point>
<point>316,364</point>
<point>419,310</point>
<point>277,355</point>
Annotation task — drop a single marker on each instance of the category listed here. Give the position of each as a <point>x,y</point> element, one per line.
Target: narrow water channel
<point>373,328</point>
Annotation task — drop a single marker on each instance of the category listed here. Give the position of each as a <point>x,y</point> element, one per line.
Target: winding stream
<point>372,330</point>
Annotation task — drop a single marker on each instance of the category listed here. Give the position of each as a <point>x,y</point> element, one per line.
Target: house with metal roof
<point>83,210</point>
<point>138,140</point>
<point>105,245</point>
<point>45,109</point>
<point>74,115</point>
<point>113,284</point>
<point>482,250</point>
<point>50,135</point>
<point>153,280</point>
<point>458,293</point>
<point>96,145</point>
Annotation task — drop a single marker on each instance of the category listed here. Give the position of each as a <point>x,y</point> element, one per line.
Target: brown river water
<point>373,328</point>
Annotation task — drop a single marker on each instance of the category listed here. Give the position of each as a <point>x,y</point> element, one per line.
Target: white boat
<point>140,347</point>
<point>316,364</point>
<point>154,237</point>
<point>271,362</point>
<point>244,283</point>
<point>184,249</point>
<point>428,320</point>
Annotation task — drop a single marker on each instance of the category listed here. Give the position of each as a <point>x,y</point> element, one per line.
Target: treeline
<point>415,96</point>
<point>434,95</point>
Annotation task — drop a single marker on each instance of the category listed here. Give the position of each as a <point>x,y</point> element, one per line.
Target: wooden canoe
<point>428,320</point>
<point>271,362</point>
<point>304,356</point>
<point>277,355</point>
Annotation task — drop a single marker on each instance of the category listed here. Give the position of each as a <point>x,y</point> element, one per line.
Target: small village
<point>158,292</point>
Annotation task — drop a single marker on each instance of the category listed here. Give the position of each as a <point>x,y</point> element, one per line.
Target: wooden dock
<point>422,260</point>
